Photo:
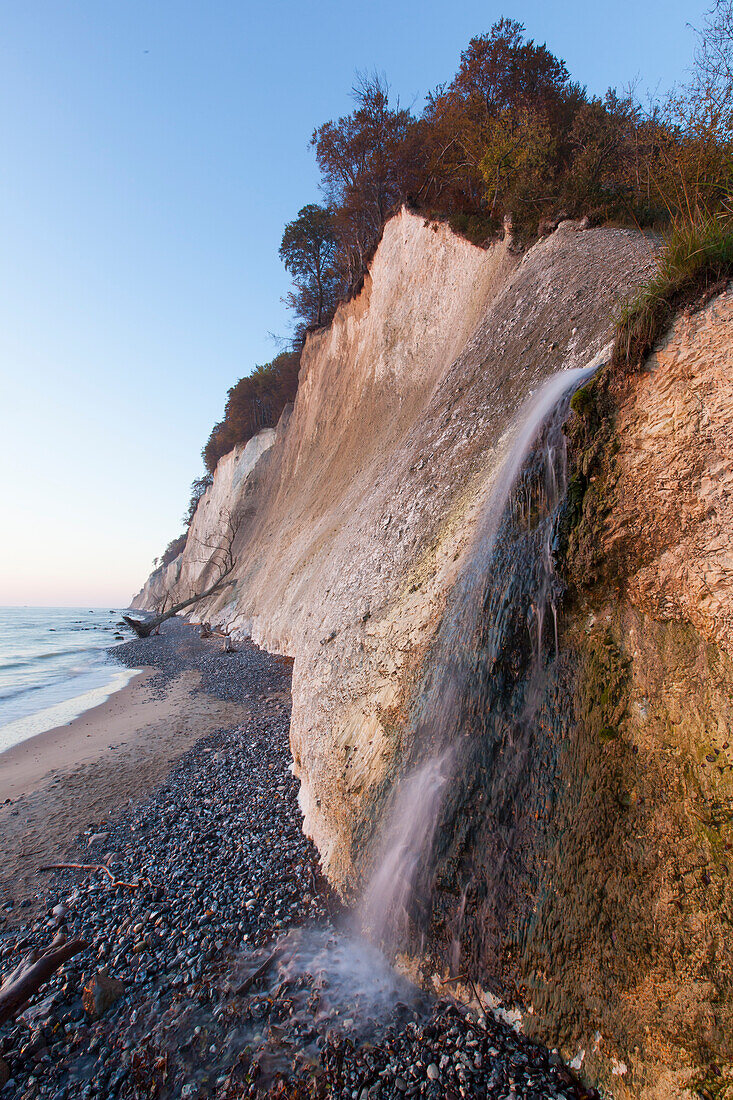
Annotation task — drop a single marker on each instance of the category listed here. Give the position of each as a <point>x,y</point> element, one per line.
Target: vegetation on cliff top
<point>253,403</point>
<point>696,262</point>
<point>171,552</point>
<point>698,256</point>
<point>510,138</point>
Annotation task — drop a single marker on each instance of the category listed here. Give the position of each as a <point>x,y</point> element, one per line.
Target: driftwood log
<point>259,973</point>
<point>145,629</point>
<point>31,973</point>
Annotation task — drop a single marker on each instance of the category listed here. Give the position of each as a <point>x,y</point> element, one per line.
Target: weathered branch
<point>93,867</point>
<point>145,629</point>
<point>259,973</point>
<point>222,558</point>
<point>32,972</point>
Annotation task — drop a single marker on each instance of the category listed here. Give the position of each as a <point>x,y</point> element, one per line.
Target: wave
<point>24,662</point>
<point>15,693</point>
<point>42,664</point>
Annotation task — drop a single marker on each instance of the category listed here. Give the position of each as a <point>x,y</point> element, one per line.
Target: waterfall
<point>401,884</point>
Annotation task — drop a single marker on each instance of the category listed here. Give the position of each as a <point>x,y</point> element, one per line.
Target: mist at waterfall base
<point>341,977</point>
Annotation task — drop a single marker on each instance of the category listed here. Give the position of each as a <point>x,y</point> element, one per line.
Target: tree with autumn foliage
<point>496,136</point>
<point>511,136</point>
<point>367,169</point>
<point>253,403</point>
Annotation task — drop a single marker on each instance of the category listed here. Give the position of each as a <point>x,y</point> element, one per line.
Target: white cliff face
<point>162,580</point>
<point>356,518</point>
<point>219,502</point>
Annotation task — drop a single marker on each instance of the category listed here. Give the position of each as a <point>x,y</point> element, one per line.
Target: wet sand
<point>71,779</point>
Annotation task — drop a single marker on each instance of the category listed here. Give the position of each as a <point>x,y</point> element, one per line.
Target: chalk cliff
<point>560,889</point>
<point>215,506</point>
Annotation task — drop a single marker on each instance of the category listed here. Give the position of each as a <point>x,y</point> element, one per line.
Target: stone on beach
<point>100,993</point>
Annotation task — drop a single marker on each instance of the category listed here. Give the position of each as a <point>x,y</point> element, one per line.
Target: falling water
<point>408,836</point>
<point>401,885</point>
<point>319,978</point>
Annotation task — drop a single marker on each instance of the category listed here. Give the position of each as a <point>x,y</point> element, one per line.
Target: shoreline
<point>23,765</point>
<point>64,711</point>
<point>55,664</point>
<point>62,786</point>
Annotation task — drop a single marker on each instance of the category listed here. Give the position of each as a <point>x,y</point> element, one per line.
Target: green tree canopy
<point>309,250</point>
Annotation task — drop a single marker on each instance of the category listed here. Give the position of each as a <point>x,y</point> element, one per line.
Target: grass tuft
<point>696,262</point>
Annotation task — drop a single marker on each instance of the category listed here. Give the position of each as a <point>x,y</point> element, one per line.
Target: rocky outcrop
<point>669,526</point>
<point>577,843</point>
<point>649,752</point>
<point>219,502</point>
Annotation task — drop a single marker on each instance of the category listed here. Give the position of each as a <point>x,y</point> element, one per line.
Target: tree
<point>497,136</point>
<point>253,403</point>
<point>501,71</point>
<point>219,563</point>
<point>175,547</point>
<point>700,169</point>
<point>366,169</point>
<point>520,145</point>
<point>712,86</point>
<point>309,250</point>
<point>198,488</point>
<point>687,157</point>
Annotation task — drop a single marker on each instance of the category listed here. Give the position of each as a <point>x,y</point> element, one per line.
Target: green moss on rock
<point>603,692</point>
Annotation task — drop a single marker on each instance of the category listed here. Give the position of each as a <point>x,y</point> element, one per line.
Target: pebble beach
<point>219,963</point>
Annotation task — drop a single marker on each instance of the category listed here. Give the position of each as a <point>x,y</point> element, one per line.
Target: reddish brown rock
<point>100,993</point>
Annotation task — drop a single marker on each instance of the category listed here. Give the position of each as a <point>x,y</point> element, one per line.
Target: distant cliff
<point>217,502</point>
<point>595,897</point>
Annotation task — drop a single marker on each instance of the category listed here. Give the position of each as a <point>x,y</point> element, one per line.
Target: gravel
<point>241,974</point>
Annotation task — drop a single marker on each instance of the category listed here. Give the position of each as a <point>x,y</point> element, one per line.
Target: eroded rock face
<point>674,515</point>
<point>584,857</point>
<point>641,883</point>
<point>358,514</point>
<point>583,868</point>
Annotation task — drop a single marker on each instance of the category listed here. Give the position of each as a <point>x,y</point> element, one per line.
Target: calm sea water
<point>54,665</point>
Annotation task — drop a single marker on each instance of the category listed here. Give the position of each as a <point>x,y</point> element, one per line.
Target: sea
<point>54,665</point>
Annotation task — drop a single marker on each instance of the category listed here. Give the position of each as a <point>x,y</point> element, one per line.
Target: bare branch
<point>221,560</point>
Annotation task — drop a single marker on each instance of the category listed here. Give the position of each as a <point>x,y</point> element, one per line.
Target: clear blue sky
<point>152,151</point>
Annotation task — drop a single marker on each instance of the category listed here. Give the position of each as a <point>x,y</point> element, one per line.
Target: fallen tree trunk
<point>145,629</point>
<point>259,973</point>
<point>32,972</point>
<point>221,559</point>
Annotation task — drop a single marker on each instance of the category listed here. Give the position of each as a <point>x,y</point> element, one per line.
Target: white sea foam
<point>54,665</point>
